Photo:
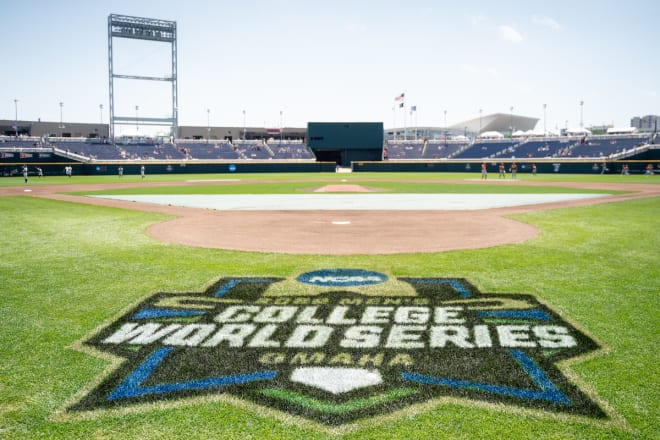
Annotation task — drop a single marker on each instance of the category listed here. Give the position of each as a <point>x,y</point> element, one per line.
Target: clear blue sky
<point>340,60</point>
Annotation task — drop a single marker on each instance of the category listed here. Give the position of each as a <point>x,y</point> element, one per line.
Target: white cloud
<point>509,34</point>
<point>548,22</point>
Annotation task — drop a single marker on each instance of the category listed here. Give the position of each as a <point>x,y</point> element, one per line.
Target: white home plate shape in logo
<point>337,380</point>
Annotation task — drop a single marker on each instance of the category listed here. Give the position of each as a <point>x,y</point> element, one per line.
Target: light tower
<point>149,29</point>
<point>16,116</point>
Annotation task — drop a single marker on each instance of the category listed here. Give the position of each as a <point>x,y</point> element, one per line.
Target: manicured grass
<point>67,268</point>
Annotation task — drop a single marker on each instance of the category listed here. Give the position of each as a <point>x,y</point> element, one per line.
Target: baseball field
<point>76,267</point>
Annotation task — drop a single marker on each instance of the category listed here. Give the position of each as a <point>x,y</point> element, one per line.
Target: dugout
<point>345,142</point>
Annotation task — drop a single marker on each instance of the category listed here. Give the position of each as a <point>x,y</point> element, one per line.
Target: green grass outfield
<point>67,268</point>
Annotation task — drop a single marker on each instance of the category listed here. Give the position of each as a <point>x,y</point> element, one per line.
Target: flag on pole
<point>402,104</point>
<point>399,97</point>
<point>413,108</point>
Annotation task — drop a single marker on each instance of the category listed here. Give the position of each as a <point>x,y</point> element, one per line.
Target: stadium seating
<point>20,143</point>
<point>165,151</point>
<point>208,150</point>
<point>600,146</point>
<point>604,146</point>
<point>485,149</point>
<point>404,149</point>
<point>540,148</point>
<point>442,149</point>
<point>290,150</point>
<point>253,150</point>
<point>90,148</point>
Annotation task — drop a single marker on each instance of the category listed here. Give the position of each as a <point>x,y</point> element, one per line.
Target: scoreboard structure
<point>346,142</point>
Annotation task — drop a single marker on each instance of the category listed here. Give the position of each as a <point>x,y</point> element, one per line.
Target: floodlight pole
<point>581,114</point>
<point>511,109</point>
<point>243,124</point>
<point>61,118</point>
<point>545,106</point>
<point>208,124</point>
<point>445,127</point>
<point>138,28</point>
<point>101,113</point>
<point>16,116</point>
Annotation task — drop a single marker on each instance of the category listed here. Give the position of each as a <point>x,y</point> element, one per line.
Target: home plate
<point>341,222</point>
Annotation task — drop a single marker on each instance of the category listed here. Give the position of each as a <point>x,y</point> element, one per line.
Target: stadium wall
<point>56,167</point>
<point>524,167</point>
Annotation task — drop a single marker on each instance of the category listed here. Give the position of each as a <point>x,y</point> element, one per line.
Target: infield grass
<point>68,268</point>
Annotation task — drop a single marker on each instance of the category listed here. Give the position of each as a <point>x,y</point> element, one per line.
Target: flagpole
<point>405,123</point>
<point>394,123</point>
<point>401,98</point>
<point>416,127</point>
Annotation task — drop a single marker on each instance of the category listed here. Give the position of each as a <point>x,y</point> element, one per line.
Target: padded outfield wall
<point>543,166</point>
<point>56,167</point>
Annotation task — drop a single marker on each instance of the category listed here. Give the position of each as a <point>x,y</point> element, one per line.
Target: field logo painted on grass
<point>338,345</point>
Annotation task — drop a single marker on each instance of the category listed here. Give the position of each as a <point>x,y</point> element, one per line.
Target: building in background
<point>648,123</point>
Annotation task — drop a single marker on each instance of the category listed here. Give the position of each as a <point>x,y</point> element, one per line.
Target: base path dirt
<point>337,232</point>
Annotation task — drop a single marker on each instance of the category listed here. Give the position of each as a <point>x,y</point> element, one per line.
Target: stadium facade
<point>498,122</point>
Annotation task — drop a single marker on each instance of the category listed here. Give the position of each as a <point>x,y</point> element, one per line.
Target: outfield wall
<point>154,167</point>
<point>55,166</point>
<point>544,166</point>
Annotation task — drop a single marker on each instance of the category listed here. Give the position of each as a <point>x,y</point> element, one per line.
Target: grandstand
<point>129,149</point>
<point>258,151</point>
<point>93,149</point>
<point>486,149</point>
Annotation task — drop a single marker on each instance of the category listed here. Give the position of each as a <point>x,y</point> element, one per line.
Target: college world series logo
<point>339,345</point>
